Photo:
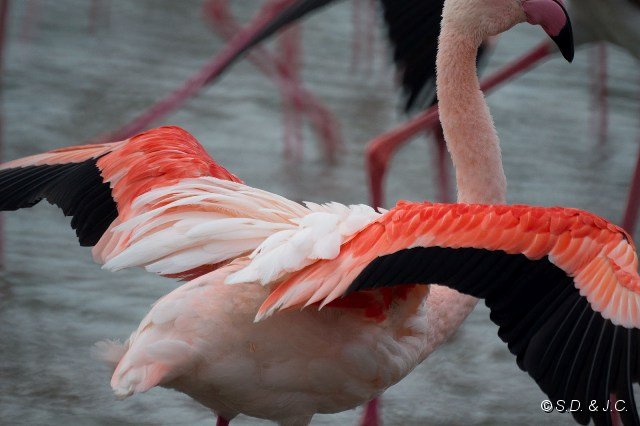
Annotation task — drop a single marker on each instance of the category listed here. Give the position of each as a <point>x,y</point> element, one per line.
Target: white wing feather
<point>195,222</point>
<point>319,235</point>
<point>205,221</point>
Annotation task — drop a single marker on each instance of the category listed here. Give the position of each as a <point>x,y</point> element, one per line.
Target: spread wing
<point>562,286</point>
<point>155,200</point>
<point>158,201</point>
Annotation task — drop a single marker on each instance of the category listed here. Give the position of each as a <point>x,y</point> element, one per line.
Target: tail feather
<point>147,366</point>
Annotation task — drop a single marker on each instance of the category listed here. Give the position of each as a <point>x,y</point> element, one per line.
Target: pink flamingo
<point>285,71</point>
<point>562,284</point>
<point>612,21</point>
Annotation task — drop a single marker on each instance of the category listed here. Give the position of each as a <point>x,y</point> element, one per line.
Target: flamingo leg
<point>364,40</point>
<point>371,414</point>
<point>369,35</point>
<point>222,421</point>
<point>381,149</point>
<point>615,416</point>
<point>283,71</point>
<point>600,108</point>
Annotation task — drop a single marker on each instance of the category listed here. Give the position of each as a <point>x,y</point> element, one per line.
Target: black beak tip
<point>564,41</point>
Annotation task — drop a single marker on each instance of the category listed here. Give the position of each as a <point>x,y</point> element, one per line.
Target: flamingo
<point>562,284</point>
<point>611,21</point>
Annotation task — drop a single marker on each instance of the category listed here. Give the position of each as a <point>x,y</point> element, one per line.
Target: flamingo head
<point>487,18</point>
<point>552,16</point>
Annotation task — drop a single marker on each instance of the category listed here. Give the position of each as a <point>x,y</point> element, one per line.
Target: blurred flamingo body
<point>233,338</point>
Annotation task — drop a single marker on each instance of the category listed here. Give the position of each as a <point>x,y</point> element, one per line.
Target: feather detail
<point>318,236</point>
<point>599,256</point>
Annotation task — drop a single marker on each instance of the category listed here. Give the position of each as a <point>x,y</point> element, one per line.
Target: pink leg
<point>205,75</point>
<point>600,110</point>
<point>222,421</point>
<point>364,24</point>
<point>380,150</point>
<point>615,416</point>
<point>371,415</point>
<point>301,102</point>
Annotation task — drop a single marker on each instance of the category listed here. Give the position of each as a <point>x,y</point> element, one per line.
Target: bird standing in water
<point>562,284</point>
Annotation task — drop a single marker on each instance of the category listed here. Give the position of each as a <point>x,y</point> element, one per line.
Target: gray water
<point>64,85</point>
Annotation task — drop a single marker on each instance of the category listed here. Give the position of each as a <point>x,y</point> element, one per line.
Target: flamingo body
<point>257,253</point>
<point>201,339</point>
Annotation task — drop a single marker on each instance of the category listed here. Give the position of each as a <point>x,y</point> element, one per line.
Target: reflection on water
<point>64,85</point>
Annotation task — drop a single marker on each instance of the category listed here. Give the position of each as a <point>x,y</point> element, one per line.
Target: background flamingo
<point>612,21</point>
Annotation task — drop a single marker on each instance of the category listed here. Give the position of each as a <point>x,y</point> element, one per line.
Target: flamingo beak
<point>553,17</point>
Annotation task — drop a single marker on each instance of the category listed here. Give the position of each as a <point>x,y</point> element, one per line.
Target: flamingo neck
<point>468,127</point>
<point>475,150</point>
